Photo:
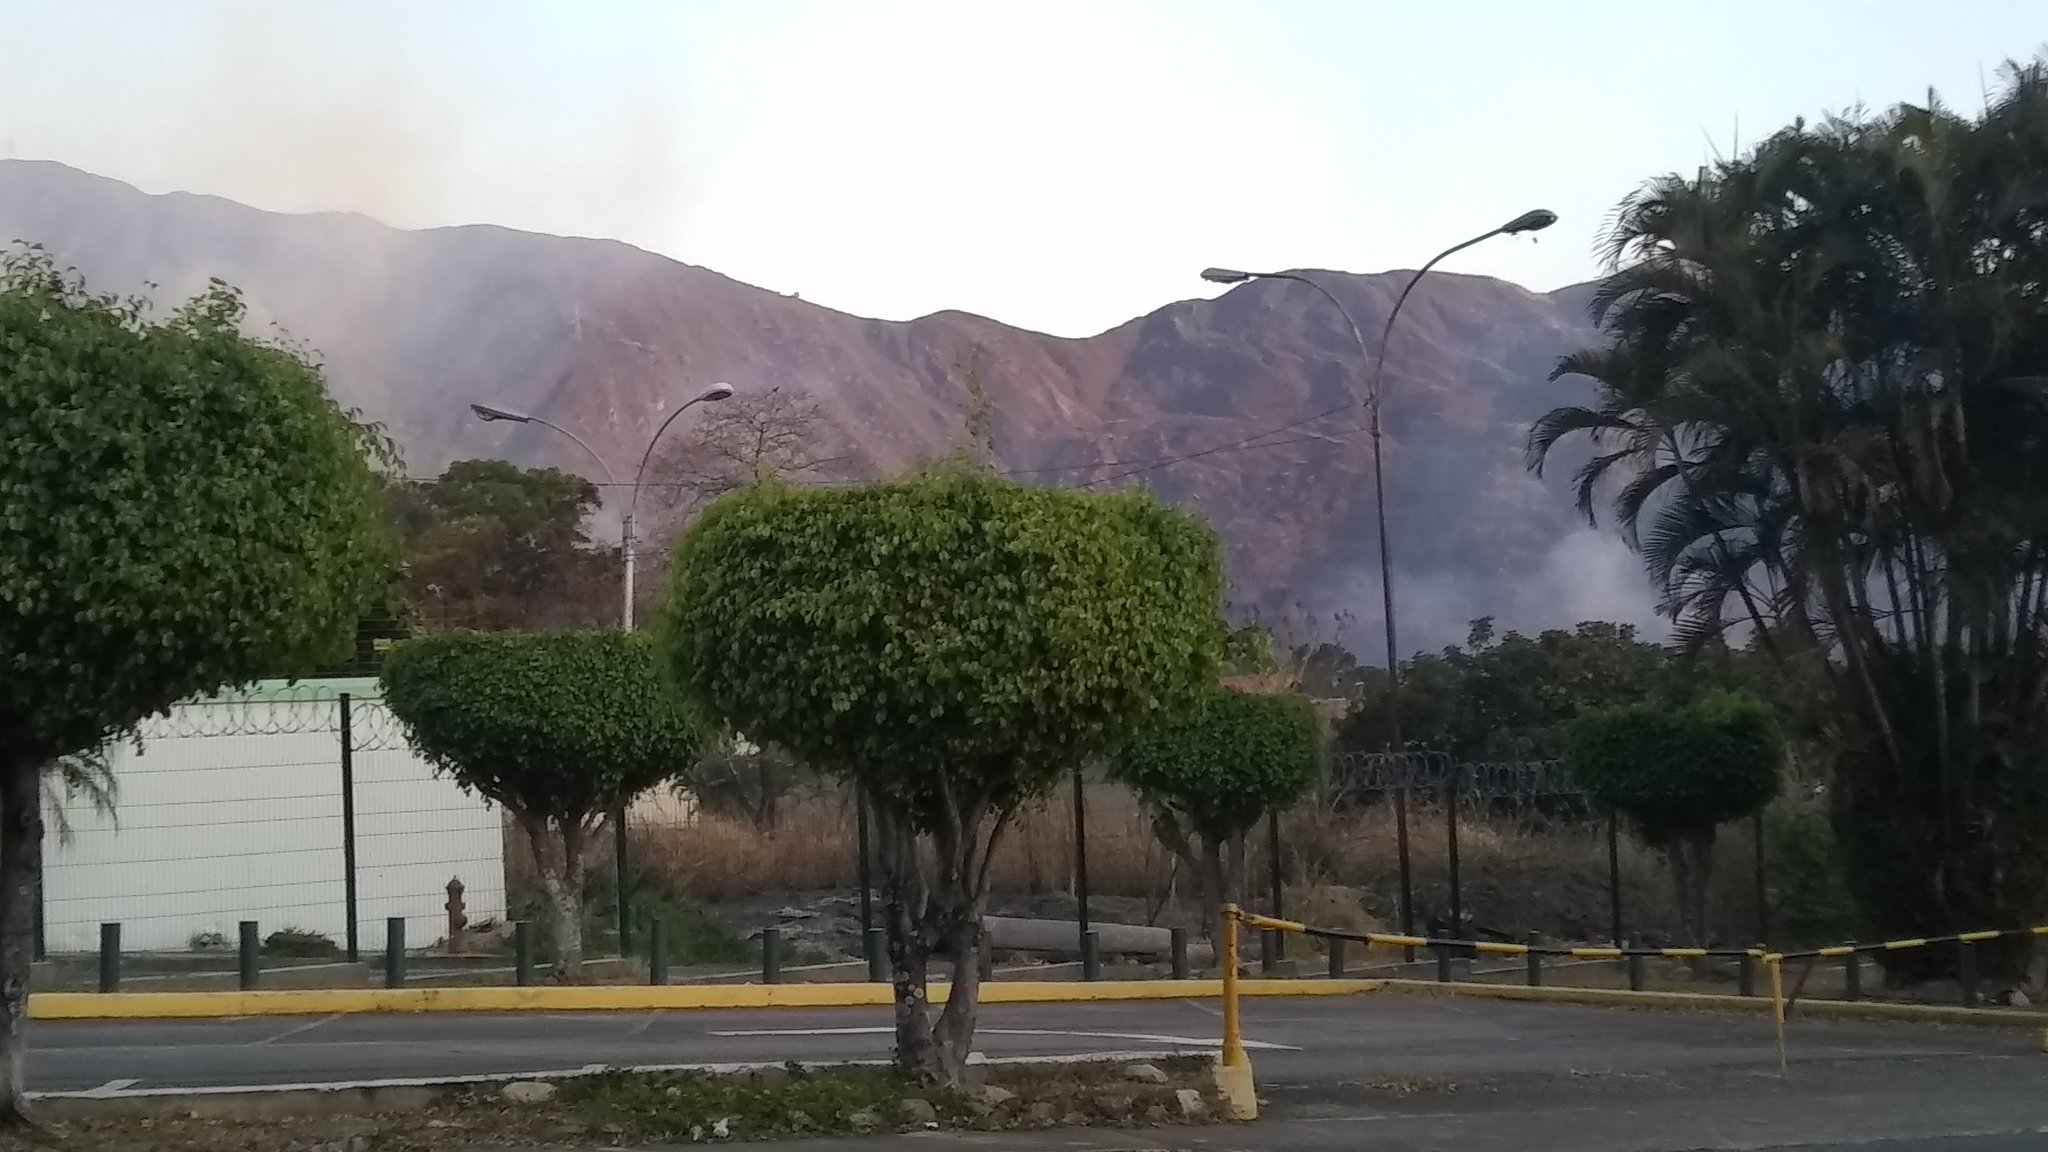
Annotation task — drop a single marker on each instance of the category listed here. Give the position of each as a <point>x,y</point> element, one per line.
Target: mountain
<point>603,338</point>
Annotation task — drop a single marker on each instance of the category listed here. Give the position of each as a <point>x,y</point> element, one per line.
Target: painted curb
<point>1835,1009</point>
<point>627,998</point>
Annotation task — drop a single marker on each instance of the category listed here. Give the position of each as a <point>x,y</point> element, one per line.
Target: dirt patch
<point>671,1108</point>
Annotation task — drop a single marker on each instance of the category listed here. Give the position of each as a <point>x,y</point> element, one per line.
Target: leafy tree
<point>1820,398</point>
<point>1678,775</point>
<point>560,728</point>
<point>491,545</point>
<point>184,508</point>
<point>954,644</point>
<point>1210,772</point>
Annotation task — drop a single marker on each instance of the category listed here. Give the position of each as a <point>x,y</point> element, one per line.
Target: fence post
<point>1535,961</point>
<point>1635,966</point>
<point>1081,870</point>
<point>394,951</point>
<point>1852,976</point>
<point>1179,942</point>
<point>657,951</point>
<point>1614,876</point>
<point>458,916</point>
<point>1745,974</point>
<point>1443,962</point>
<point>1966,972</point>
<point>1407,868</point>
<point>1269,951</point>
<point>1091,955</point>
<point>619,868</point>
<point>1451,842</point>
<point>247,949</point>
<point>1763,894</point>
<point>1336,946</point>
<point>348,829</point>
<point>522,952</point>
<point>1275,879</point>
<point>771,955</point>
<point>110,957</point>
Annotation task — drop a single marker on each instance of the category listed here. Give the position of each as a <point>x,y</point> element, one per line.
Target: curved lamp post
<point>1532,221</point>
<point>490,415</point>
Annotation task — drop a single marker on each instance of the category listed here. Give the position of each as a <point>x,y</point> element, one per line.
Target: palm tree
<point>1820,418</point>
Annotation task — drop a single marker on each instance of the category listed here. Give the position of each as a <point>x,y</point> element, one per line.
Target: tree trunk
<point>964,940</point>
<point>561,885</point>
<point>21,839</point>
<point>904,912</point>
<point>1691,859</point>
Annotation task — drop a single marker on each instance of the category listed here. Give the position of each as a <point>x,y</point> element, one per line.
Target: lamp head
<point>1533,221</point>
<point>1225,276</point>
<point>718,391</point>
<point>487,414</point>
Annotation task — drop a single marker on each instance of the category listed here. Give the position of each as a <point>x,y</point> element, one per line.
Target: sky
<point>1059,164</point>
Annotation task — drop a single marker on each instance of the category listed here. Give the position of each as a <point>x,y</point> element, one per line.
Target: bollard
<point>1443,963</point>
<point>1179,940</point>
<point>1534,960</point>
<point>985,960</point>
<point>1852,976</point>
<point>522,953</point>
<point>110,957</point>
<point>771,955</point>
<point>878,955</point>
<point>1269,951</point>
<point>657,951</point>
<point>1966,972</point>
<point>250,942</point>
<point>1635,967</point>
<point>394,952</point>
<point>1091,954</point>
<point>1745,975</point>
<point>1336,945</point>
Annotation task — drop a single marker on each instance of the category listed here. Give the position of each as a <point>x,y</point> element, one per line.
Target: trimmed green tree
<point>1678,775</point>
<point>1209,773</point>
<point>952,643</point>
<point>560,728</point>
<point>181,508</point>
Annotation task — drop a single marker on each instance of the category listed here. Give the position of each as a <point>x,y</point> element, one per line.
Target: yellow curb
<point>626,998</point>
<point>1623,998</point>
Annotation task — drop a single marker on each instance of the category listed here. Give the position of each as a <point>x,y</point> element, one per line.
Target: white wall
<point>232,811</point>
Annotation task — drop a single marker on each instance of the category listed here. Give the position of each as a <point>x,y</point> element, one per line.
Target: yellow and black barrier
<point>1773,962</point>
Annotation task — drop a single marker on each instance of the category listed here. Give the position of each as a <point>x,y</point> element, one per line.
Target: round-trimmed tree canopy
<point>563,723</point>
<point>1678,772</point>
<point>1229,760</point>
<point>948,621</point>
<point>181,508</point>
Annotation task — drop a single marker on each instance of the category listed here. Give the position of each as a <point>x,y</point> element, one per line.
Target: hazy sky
<point>1062,164</point>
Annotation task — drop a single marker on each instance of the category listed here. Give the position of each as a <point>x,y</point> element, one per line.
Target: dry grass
<point>1516,876</point>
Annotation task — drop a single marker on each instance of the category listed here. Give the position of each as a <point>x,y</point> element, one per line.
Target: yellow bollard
<point>1776,964</point>
<point>1233,1067</point>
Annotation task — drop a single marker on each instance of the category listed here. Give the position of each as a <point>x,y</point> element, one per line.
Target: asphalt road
<point>1392,1072</point>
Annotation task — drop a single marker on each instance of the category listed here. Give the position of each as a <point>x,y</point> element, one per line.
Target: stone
<point>800,1120</point>
<point>1144,1073</point>
<point>696,1133</point>
<point>1114,1107</point>
<point>1192,1106</point>
<point>1157,1114</point>
<point>795,913</point>
<point>1074,1120</point>
<point>722,1128</point>
<point>918,1110</point>
<point>2018,998</point>
<point>1039,1113</point>
<point>864,1121</point>
<point>528,1092</point>
<point>994,1095</point>
<point>439,1124</point>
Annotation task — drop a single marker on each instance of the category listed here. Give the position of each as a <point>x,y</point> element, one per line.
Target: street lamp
<point>719,391</point>
<point>1531,221</point>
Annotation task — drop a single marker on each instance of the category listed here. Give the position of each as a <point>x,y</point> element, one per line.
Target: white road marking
<point>111,1087</point>
<point>1140,1037</point>
<point>645,1023</point>
<point>299,1030</point>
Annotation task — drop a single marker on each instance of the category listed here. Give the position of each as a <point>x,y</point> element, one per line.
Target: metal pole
<point>771,955</point>
<point>394,951</point>
<point>1081,857</point>
<point>1614,876</point>
<point>348,831</point>
<point>1178,940</point>
<point>522,952</point>
<point>619,868</point>
<point>1407,869</point>
<point>1233,1037</point>
<point>1763,895</point>
<point>110,957</point>
<point>866,880</point>
<point>1451,845</point>
<point>1274,879</point>
<point>246,949</point>
<point>657,952</point>
<point>620,863</point>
